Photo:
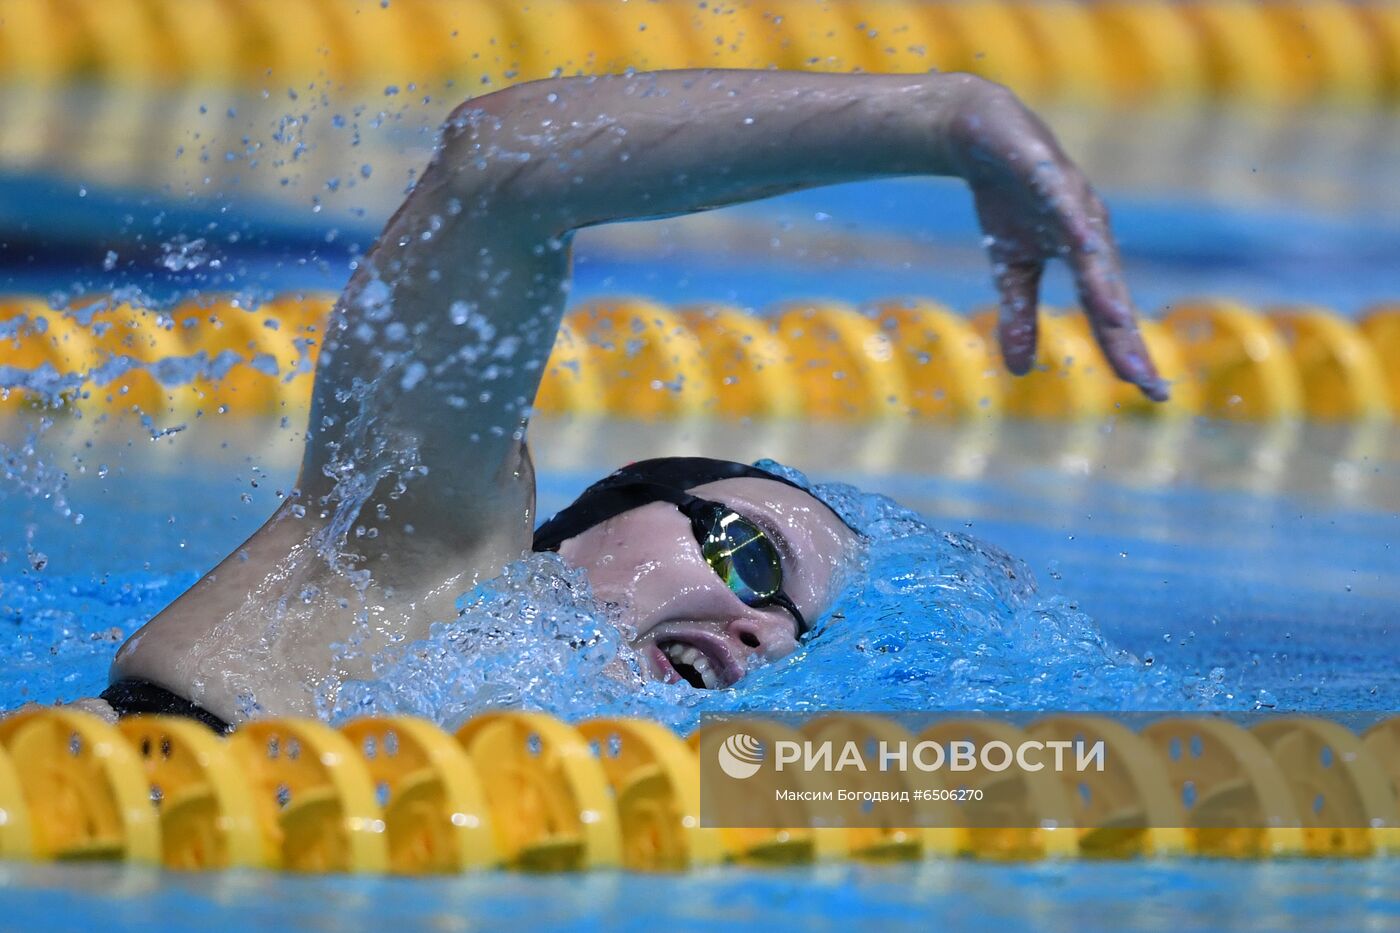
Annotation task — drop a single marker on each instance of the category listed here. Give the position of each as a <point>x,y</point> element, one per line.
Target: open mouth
<point>704,663</point>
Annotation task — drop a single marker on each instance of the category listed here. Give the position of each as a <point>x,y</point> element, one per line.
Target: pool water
<point>1306,521</point>
<point>1180,566</point>
<point>1305,618</point>
<point>1104,896</point>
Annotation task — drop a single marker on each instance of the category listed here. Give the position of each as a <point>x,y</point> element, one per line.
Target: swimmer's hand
<point>574,152</point>
<point>1034,205</point>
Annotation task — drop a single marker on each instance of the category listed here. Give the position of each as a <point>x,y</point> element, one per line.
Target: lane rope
<point>630,357</point>
<point>522,790</point>
<point>1268,52</point>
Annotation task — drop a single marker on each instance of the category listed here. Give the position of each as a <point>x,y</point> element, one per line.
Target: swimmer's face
<point>689,624</point>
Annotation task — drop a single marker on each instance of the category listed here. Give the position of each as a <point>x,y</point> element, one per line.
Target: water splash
<point>929,620</point>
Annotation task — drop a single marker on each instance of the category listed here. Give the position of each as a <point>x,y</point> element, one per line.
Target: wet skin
<point>416,481</point>
<point>682,617</point>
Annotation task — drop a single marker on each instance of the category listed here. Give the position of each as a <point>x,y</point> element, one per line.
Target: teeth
<point>692,656</point>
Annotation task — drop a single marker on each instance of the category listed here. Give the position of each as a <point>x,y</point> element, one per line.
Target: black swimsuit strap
<point>129,697</point>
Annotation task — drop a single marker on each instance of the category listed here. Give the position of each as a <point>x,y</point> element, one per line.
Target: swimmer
<point>416,481</point>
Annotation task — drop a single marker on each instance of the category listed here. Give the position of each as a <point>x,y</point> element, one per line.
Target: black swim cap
<point>636,485</point>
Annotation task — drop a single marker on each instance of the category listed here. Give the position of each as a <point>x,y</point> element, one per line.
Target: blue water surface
<point>1236,587</point>
<point>1028,587</point>
<point>1103,896</point>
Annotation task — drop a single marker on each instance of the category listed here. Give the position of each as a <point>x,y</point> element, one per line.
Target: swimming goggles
<point>740,553</point>
<point>736,548</point>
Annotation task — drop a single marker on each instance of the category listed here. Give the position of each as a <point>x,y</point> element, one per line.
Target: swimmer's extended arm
<point>441,337</point>
<point>585,151</point>
<point>415,459</point>
<point>416,482</point>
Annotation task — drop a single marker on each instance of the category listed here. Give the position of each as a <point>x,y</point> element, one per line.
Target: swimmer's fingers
<point>1103,293</point>
<point>1018,284</point>
<point>1018,261</point>
<point>1034,205</point>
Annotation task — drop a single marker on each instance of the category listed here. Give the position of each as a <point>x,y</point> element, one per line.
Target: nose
<point>770,634</point>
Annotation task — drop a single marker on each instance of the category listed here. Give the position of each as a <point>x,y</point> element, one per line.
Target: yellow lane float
<point>551,805</point>
<point>436,816</point>
<point>1238,803</point>
<point>314,796</point>
<point>1238,361</point>
<point>526,791</point>
<point>1276,52</point>
<point>812,360</point>
<point>208,817</point>
<point>83,786</point>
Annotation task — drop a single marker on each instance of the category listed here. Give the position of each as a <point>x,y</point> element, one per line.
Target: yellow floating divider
<point>991,42</point>
<point>16,835</point>
<point>1152,51</point>
<point>1069,44</point>
<point>1383,742</point>
<point>641,36</point>
<point>1239,362</point>
<point>208,817</point>
<point>1171,365</point>
<point>845,363</point>
<point>656,789</point>
<point>936,833</point>
<point>39,44</point>
<point>252,385</point>
<point>83,786</point>
<point>951,369</point>
<point>1130,803</point>
<point>1034,801</point>
<point>1343,378</point>
<point>315,799</point>
<point>1238,803</point>
<point>819,36</point>
<point>1381,19</point>
<point>1069,380</point>
<point>747,363</point>
<point>436,816</point>
<point>1335,780</point>
<point>572,382</point>
<point>205,39</point>
<point>551,805</point>
<point>376,45</point>
<point>301,318</point>
<point>649,363</point>
<point>284,44</point>
<point>478,39</point>
<point>736,35</point>
<point>116,347</point>
<point>124,336</point>
<point>1328,43</point>
<point>1125,397</point>
<point>1381,325</point>
<point>1263,51</point>
<point>524,790</point>
<point>33,337</point>
<point>904,36</point>
<point>777,832</point>
<point>129,42</point>
<point>1245,58</point>
<point>555,39</point>
<point>628,357</point>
